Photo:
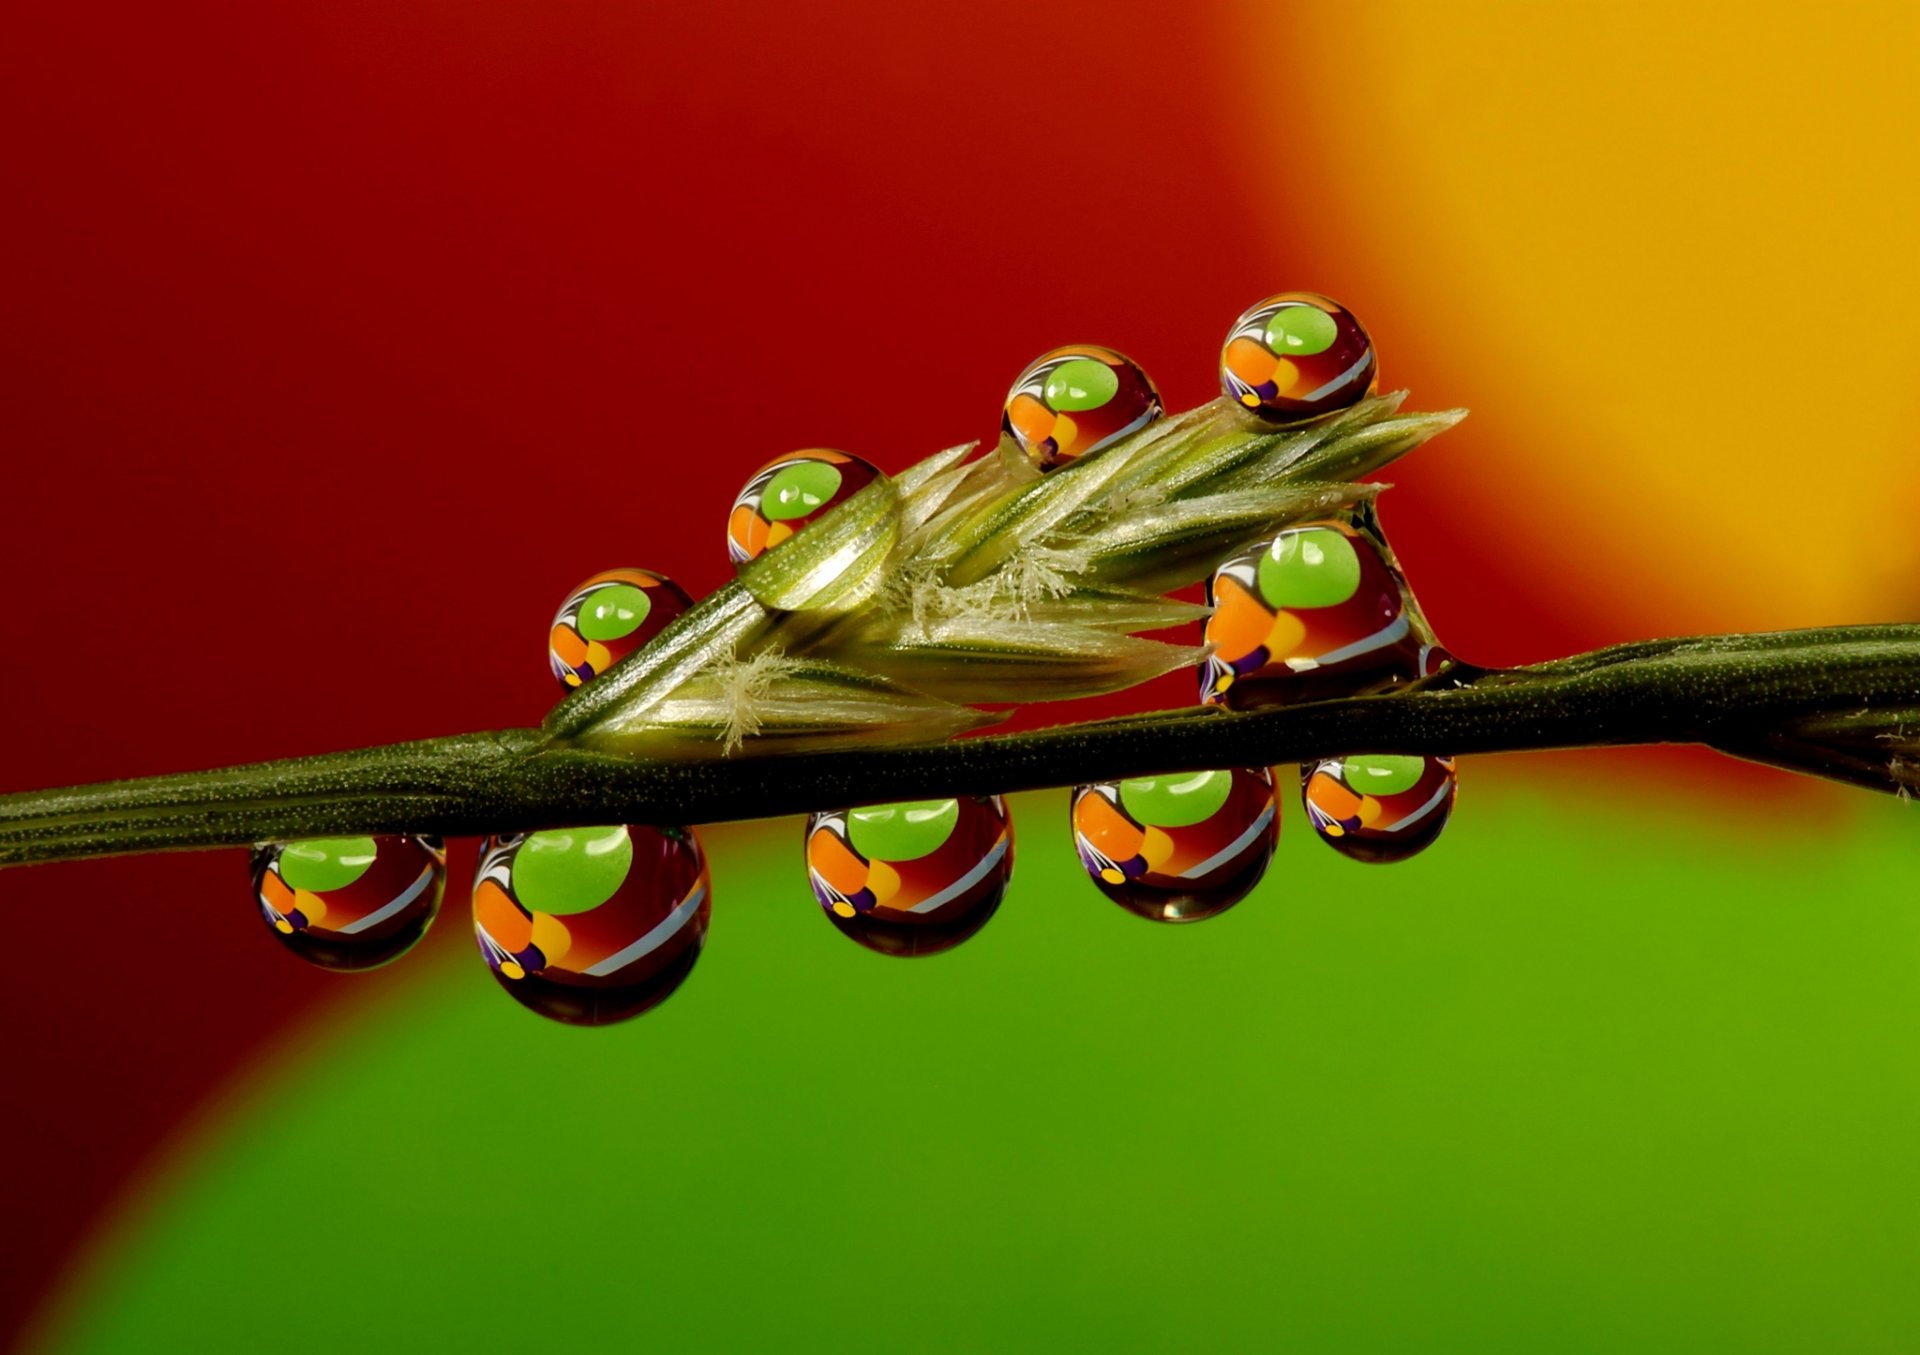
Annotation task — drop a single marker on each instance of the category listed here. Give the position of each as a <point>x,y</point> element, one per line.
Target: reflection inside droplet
<point>914,878</point>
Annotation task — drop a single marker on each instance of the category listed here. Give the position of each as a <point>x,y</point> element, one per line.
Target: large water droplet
<point>1297,355</point>
<point>607,618</point>
<point>1318,611</point>
<point>1071,402</point>
<point>353,902</point>
<point>1177,848</point>
<point>912,878</point>
<point>788,494</point>
<point>591,925</point>
<point>1379,807</point>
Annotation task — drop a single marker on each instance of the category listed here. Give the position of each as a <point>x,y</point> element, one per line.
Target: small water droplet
<point>350,903</point>
<point>1177,848</point>
<point>607,618</point>
<point>1297,355</point>
<point>591,925</point>
<point>1071,402</point>
<point>1379,807</point>
<point>789,493</point>
<point>911,878</point>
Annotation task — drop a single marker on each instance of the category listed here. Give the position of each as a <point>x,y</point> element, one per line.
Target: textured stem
<point>1836,702</point>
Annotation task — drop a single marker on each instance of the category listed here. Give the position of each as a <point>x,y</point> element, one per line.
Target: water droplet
<point>350,902</point>
<point>1379,807</point>
<point>913,878</point>
<point>1318,611</point>
<point>607,618</point>
<point>591,925</point>
<point>1296,355</point>
<point>787,494</point>
<point>1070,402</point>
<point>1177,848</point>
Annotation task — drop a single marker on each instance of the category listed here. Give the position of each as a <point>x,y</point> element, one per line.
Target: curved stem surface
<point>1838,702</point>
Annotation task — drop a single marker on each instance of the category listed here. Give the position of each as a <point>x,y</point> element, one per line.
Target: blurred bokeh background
<point>341,340</point>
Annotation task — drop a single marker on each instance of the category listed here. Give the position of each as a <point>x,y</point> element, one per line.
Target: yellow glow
<point>1691,228</point>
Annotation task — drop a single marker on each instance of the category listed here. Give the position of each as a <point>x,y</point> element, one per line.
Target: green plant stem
<point>1836,702</point>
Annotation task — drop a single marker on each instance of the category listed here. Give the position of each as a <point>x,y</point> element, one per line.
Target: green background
<point>1600,1072</point>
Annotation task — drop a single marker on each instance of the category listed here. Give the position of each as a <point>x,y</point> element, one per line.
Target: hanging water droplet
<point>911,878</point>
<point>607,618</point>
<point>787,494</point>
<point>1177,848</point>
<point>1297,355</point>
<point>591,925</point>
<point>1071,402</point>
<point>1378,806</point>
<point>350,903</point>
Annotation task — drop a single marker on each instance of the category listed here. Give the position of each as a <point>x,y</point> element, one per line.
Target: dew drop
<point>590,926</point>
<point>1379,807</point>
<point>787,494</point>
<point>1071,402</point>
<point>1297,355</point>
<point>1177,848</point>
<point>350,903</point>
<point>607,618</point>
<point>1317,611</point>
<point>911,878</point>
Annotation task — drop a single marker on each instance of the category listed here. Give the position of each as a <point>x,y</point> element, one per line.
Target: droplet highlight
<point>1378,807</point>
<point>1296,355</point>
<point>789,493</point>
<point>590,926</point>
<point>911,878</point>
<point>349,903</point>
<point>607,618</point>
<point>1181,847</point>
<point>1071,402</point>
<point>1319,610</point>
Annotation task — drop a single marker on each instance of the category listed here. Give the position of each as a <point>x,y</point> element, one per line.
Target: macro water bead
<point>1073,401</point>
<point>1379,807</point>
<point>1298,354</point>
<point>350,902</point>
<point>911,878</point>
<point>1177,848</point>
<point>1317,611</point>
<point>591,925</point>
<point>787,494</point>
<point>607,618</point>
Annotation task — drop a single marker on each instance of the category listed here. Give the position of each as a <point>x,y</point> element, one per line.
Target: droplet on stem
<point>591,925</point>
<point>1297,355</point>
<point>1071,402</point>
<point>1317,611</point>
<point>912,878</point>
<point>1379,807</point>
<point>607,618</point>
<point>788,494</point>
<point>350,903</point>
<point>1177,848</point>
